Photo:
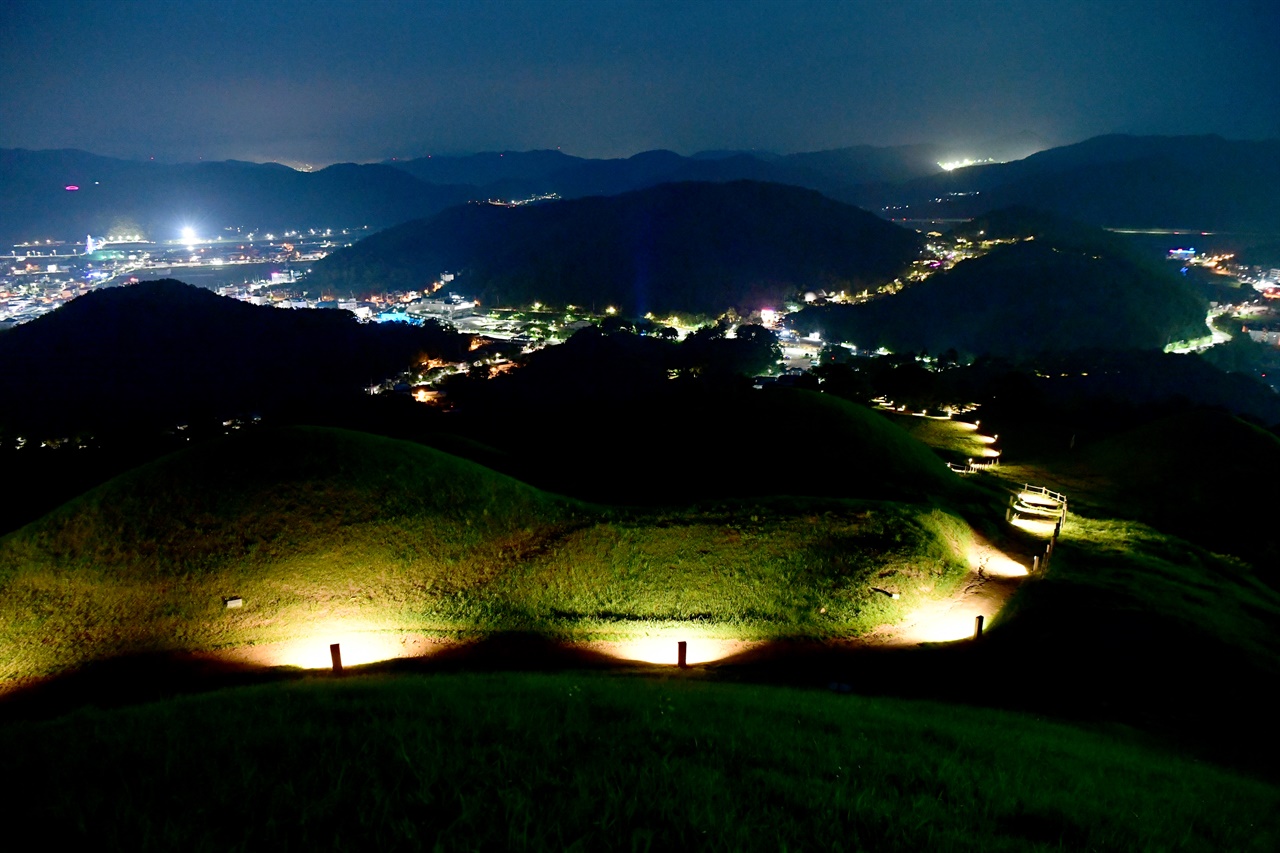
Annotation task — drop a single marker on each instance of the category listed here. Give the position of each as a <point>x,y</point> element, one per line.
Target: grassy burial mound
<point>1134,624</point>
<point>697,248</point>
<point>694,444</point>
<point>325,534</point>
<point>1202,475</point>
<point>537,762</point>
<point>953,440</point>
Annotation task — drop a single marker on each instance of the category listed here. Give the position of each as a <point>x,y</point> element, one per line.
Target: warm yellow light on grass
<point>360,644</point>
<point>944,628</point>
<point>664,650</point>
<point>1038,526</point>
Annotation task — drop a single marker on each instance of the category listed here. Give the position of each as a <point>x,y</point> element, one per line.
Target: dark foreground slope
<point>539,762</point>
<point>162,353</point>
<point>699,248</point>
<point>1068,288</point>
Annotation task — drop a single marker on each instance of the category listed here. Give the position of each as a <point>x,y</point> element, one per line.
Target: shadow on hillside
<point>997,671</point>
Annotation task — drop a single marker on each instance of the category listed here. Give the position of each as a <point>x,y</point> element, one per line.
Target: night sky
<point>324,81</point>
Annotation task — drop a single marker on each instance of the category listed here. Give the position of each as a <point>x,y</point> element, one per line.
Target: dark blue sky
<point>323,81</point>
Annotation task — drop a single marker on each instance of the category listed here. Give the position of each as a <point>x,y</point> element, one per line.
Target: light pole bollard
<point>977,626</point>
<point>682,654</point>
<point>335,652</point>
<point>1035,565</point>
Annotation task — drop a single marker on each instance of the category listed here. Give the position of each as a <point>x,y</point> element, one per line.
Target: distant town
<point>271,269</point>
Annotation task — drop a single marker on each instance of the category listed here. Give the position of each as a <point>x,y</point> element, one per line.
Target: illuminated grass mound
<point>326,535</point>
<point>543,762</point>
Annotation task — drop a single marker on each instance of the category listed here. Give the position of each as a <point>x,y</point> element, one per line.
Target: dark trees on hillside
<point>164,353</point>
<point>692,248</point>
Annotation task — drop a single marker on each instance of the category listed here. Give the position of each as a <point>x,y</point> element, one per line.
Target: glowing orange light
<point>664,649</point>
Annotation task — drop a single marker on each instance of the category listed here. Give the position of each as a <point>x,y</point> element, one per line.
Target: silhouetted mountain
<point>691,247</point>
<point>1200,182</point>
<point>1071,287</point>
<point>161,353</point>
<point>159,199</point>
<point>486,168</point>
<point>868,164</point>
<point>514,174</point>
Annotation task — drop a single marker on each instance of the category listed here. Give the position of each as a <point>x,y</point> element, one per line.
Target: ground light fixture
<point>672,649</point>
<point>337,643</point>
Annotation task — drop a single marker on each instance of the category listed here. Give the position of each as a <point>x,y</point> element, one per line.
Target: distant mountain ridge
<point>834,172</point>
<point>689,247</point>
<point>159,199</point>
<point>1200,182</point>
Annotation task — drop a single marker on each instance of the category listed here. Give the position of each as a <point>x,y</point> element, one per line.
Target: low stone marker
<point>235,601</point>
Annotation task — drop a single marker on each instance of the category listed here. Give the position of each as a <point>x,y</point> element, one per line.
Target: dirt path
<point>993,577</point>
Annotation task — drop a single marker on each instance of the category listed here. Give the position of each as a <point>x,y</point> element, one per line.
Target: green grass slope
<point>574,761</point>
<point>1134,624</point>
<point>325,532</point>
<point>1201,475</point>
<point>702,445</point>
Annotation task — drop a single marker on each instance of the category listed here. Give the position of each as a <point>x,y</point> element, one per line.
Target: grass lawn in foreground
<point>325,532</point>
<point>588,762</point>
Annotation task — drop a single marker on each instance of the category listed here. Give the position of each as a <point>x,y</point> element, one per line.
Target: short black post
<point>977,627</point>
<point>682,655</point>
<point>335,652</point>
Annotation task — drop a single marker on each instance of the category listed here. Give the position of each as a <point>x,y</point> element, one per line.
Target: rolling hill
<point>1068,288</point>
<point>697,248</point>
<point>1220,500</point>
<point>326,532</point>
<point>162,353</point>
